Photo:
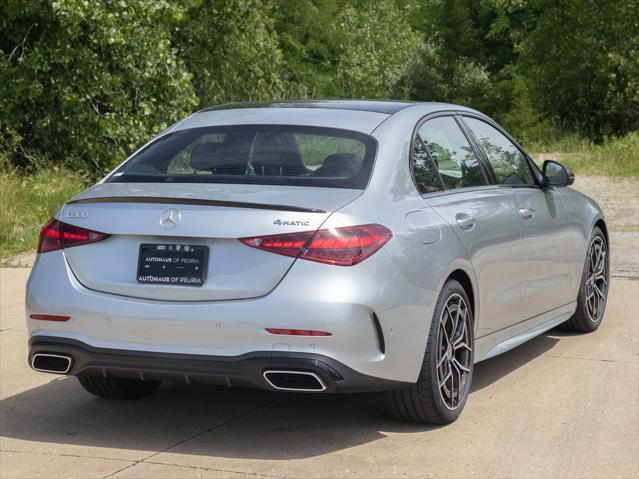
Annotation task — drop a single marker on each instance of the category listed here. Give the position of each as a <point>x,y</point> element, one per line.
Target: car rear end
<point>214,254</point>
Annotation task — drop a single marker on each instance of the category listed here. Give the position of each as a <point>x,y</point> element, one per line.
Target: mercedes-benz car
<point>318,247</point>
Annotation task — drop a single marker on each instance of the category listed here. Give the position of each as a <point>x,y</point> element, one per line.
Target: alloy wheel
<point>596,279</point>
<point>454,359</point>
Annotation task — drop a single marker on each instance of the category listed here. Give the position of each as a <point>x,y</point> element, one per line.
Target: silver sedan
<point>324,246</point>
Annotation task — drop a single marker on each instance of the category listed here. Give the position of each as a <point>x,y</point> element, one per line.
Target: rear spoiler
<point>193,201</point>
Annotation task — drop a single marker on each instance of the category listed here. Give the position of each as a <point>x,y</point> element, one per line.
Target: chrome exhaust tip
<point>301,381</point>
<point>51,363</point>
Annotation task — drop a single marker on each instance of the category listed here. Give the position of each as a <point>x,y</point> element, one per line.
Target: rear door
<point>547,276</point>
<point>483,217</point>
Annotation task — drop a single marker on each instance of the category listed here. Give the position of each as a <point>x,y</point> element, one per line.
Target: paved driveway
<point>561,405</point>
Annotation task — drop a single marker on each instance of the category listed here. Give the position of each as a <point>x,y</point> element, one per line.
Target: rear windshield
<point>255,154</point>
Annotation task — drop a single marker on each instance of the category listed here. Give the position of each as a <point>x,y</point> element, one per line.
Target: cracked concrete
<point>561,405</point>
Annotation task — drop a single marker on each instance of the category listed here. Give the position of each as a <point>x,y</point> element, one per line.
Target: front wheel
<point>593,291</point>
<point>444,381</point>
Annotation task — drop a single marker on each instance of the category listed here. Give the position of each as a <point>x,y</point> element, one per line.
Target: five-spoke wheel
<point>593,292</point>
<point>455,351</point>
<point>444,381</point>
<point>597,279</point>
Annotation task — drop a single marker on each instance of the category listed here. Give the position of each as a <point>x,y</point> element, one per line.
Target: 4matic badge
<point>279,222</point>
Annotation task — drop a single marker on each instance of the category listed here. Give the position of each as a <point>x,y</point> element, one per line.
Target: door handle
<point>526,213</point>
<point>465,222</point>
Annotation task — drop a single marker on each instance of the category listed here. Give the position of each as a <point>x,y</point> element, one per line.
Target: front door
<point>547,275</point>
<point>548,280</point>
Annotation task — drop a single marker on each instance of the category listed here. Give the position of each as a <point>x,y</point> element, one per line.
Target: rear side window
<point>451,153</point>
<point>255,154</point>
<point>508,163</point>
<point>424,171</point>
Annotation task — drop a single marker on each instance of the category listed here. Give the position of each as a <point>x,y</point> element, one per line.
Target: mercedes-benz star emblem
<point>170,218</point>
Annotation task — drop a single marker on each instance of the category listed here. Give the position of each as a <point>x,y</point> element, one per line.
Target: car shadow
<point>492,370</point>
<point>229,423</point>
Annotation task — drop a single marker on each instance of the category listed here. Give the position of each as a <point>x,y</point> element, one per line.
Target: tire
<point>592,300</point>
<point>118,388</point>
<point>426,401</point>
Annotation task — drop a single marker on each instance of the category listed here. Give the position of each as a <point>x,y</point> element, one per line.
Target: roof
<point>355,115</point>
<point>386,107</point>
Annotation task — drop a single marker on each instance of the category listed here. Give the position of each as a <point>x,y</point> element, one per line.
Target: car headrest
<point>211,156</point>
<point>277,154</point>
<point>340,165</point>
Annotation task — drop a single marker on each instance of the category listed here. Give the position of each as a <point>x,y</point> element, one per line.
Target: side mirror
<point>556,174</point>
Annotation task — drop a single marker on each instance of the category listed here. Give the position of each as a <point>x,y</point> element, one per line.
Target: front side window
<point>452,154</point>
<point>255,154</point>
<point>508,163</point>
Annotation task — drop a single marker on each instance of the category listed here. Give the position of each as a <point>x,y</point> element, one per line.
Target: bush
<point>581,62</point>
<point>375,45</point>
<point>85,83</point>
<point>232,51</point>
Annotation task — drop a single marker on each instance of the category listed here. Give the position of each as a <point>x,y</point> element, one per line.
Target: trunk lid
<point>212,215</point>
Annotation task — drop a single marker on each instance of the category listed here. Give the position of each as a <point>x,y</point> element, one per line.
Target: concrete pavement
<point>562,405</point>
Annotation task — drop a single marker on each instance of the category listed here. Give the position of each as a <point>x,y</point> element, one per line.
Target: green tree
<point>85,83</point>
<point>340,48</point>
<point>232,51</point>
<point>580,60</point>
<point>453,62</point>
<point>308,45</point>
<point>376,45</point>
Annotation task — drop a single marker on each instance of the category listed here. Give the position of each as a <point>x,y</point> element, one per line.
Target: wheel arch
<point>462,278</point>
<point>463,273</point>
<point>600,222</point>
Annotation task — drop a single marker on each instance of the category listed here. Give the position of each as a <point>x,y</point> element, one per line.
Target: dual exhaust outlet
<point>52,363</point>
<point>304,381</point>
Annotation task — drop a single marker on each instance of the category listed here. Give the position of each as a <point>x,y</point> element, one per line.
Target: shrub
<point>231,50</point>
<point>375,45</point>
<point>85,83</point>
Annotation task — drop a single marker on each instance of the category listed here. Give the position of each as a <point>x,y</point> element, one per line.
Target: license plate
<point>173,264</point>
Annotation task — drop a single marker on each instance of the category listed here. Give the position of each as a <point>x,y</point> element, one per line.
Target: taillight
<point>344,246</point>
<point>57,235</point>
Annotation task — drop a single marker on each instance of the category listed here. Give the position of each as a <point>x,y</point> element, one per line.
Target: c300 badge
<point>79,215</point>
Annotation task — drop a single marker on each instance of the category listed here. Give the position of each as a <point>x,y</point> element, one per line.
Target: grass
<point>28,202</point>
<point>617,157</point>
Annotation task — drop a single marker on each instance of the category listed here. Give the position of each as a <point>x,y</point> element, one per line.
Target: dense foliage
<point>232,50</point>
<point>84,83</point>
<point>581,61</point>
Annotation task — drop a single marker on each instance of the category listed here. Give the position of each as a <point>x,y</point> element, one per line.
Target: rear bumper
<point>246,370</point>
<point>379,325</point>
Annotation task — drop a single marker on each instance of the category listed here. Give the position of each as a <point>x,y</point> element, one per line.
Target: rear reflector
<point>56,235</point>
<point>297,332</point>
<point>50,317</point>
<point>345,246</point>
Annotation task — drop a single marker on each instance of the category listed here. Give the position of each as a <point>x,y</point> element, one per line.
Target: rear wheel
<point>593,292</point>
<point>118,388</point>
<point>444,381</point>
